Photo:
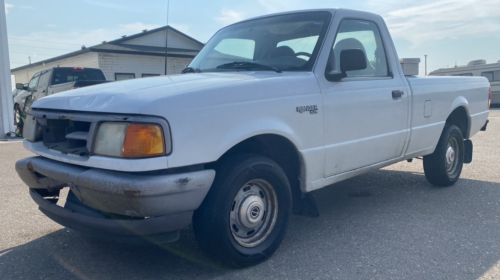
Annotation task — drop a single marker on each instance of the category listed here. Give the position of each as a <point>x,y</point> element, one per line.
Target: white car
<point>270,110</point>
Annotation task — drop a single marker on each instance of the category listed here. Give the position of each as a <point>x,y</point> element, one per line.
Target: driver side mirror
<point>350,60</point>
<point>20,86</point>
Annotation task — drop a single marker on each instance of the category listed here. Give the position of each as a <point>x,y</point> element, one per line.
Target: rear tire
<point>18,121</point>
<point>244,217</point>
<point>444,166</point>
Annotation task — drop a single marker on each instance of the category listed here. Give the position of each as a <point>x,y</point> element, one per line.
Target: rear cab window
<point>66,75</point>
<point>303,47</point>
<point>242,49</point>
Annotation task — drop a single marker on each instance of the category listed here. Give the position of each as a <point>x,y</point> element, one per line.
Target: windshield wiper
<point>247,65</point>
<point>190,70</point>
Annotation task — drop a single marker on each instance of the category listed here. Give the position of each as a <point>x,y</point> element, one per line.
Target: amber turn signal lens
<point>143,140</point>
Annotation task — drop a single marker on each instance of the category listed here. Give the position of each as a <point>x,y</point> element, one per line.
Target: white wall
<point>139,64</point>
<point>89,59</point>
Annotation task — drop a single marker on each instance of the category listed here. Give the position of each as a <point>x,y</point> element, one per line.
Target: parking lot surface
<point>386,224</point>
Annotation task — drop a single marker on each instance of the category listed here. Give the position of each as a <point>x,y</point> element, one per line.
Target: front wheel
<point>444,166</point>
<point>244,217</point>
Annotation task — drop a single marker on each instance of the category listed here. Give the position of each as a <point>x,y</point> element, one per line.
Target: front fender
<point>257,127</point>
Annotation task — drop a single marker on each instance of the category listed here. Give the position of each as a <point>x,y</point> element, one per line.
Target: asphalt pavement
<point>386,224</point>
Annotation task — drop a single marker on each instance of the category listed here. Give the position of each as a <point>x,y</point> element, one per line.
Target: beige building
<point>136,56</point>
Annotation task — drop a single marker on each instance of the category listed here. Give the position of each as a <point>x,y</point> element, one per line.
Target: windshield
<point>284,43</point>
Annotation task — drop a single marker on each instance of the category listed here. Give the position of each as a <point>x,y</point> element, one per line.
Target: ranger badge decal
<point>313,109</point>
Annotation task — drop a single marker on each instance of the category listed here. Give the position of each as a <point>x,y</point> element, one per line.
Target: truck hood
<point>131,96</point>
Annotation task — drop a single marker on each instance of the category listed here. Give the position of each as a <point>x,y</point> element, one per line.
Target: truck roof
<point>69,68</point>
<point>331,10</point>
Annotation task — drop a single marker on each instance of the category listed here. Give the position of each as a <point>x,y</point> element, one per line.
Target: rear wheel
<point>244,217</point>
<point>18,121</point>
<point>444,166</point>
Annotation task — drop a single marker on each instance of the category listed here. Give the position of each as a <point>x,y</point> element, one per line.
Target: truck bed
<point>445,93</point>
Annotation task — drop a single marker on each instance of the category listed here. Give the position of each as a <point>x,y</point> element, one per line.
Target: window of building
<point>463,74</point>
<point>496,76</point>
<point>150,75</point>
<point>488,75</point>
<point>124,76</point>
<point>363,35</point>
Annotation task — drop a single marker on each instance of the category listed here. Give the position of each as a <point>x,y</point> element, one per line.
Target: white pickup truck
<point>270,110</point>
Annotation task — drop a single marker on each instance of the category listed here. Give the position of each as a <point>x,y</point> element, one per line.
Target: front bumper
<point>152,203</point>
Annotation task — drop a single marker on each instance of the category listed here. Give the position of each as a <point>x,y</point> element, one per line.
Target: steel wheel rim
<point>451,156</point>
<point>253,213</point>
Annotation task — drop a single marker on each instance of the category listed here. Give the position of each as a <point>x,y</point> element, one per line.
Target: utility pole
<point>166,40</point>
<point>6,106</point>
<point>425,64</point>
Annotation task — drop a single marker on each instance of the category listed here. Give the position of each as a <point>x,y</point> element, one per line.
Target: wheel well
<point>278,149</point>
<point>459,117</point>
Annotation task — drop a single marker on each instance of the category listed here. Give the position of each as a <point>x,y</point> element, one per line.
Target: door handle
<point>397,94</point>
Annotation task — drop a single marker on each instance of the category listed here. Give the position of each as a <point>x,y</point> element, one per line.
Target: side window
<point>44,79</point>
<point>34,81</point>
<point>363,35</point>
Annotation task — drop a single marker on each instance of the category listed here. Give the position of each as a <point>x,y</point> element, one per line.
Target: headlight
<point>129,140</point>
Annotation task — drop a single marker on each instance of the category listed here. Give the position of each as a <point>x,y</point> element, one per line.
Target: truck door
<point>43,84</point>
<point>32,87</point>
<point>38,88</point>
<point>366,112</point>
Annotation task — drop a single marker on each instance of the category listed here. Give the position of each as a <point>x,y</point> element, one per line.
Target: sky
<point>448,31</point>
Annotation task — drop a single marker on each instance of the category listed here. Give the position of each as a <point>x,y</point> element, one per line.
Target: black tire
<point>441,168</point>
<point>18,121</point>
<point>213,222</point>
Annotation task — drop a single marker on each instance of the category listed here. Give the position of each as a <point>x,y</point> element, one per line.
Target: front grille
<point>66,136</point>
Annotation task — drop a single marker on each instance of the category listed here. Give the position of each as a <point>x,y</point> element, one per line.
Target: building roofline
<point>114,42</point>
<point>463,68</point>
<point>68,55</point>
<point>144,33</point>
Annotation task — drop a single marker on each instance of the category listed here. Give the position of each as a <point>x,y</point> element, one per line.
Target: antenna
<point>425,64</point>
<point>166,39</point>
<point>29,57</point>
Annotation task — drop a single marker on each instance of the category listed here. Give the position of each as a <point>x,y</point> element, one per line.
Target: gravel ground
<point>386,224</point>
